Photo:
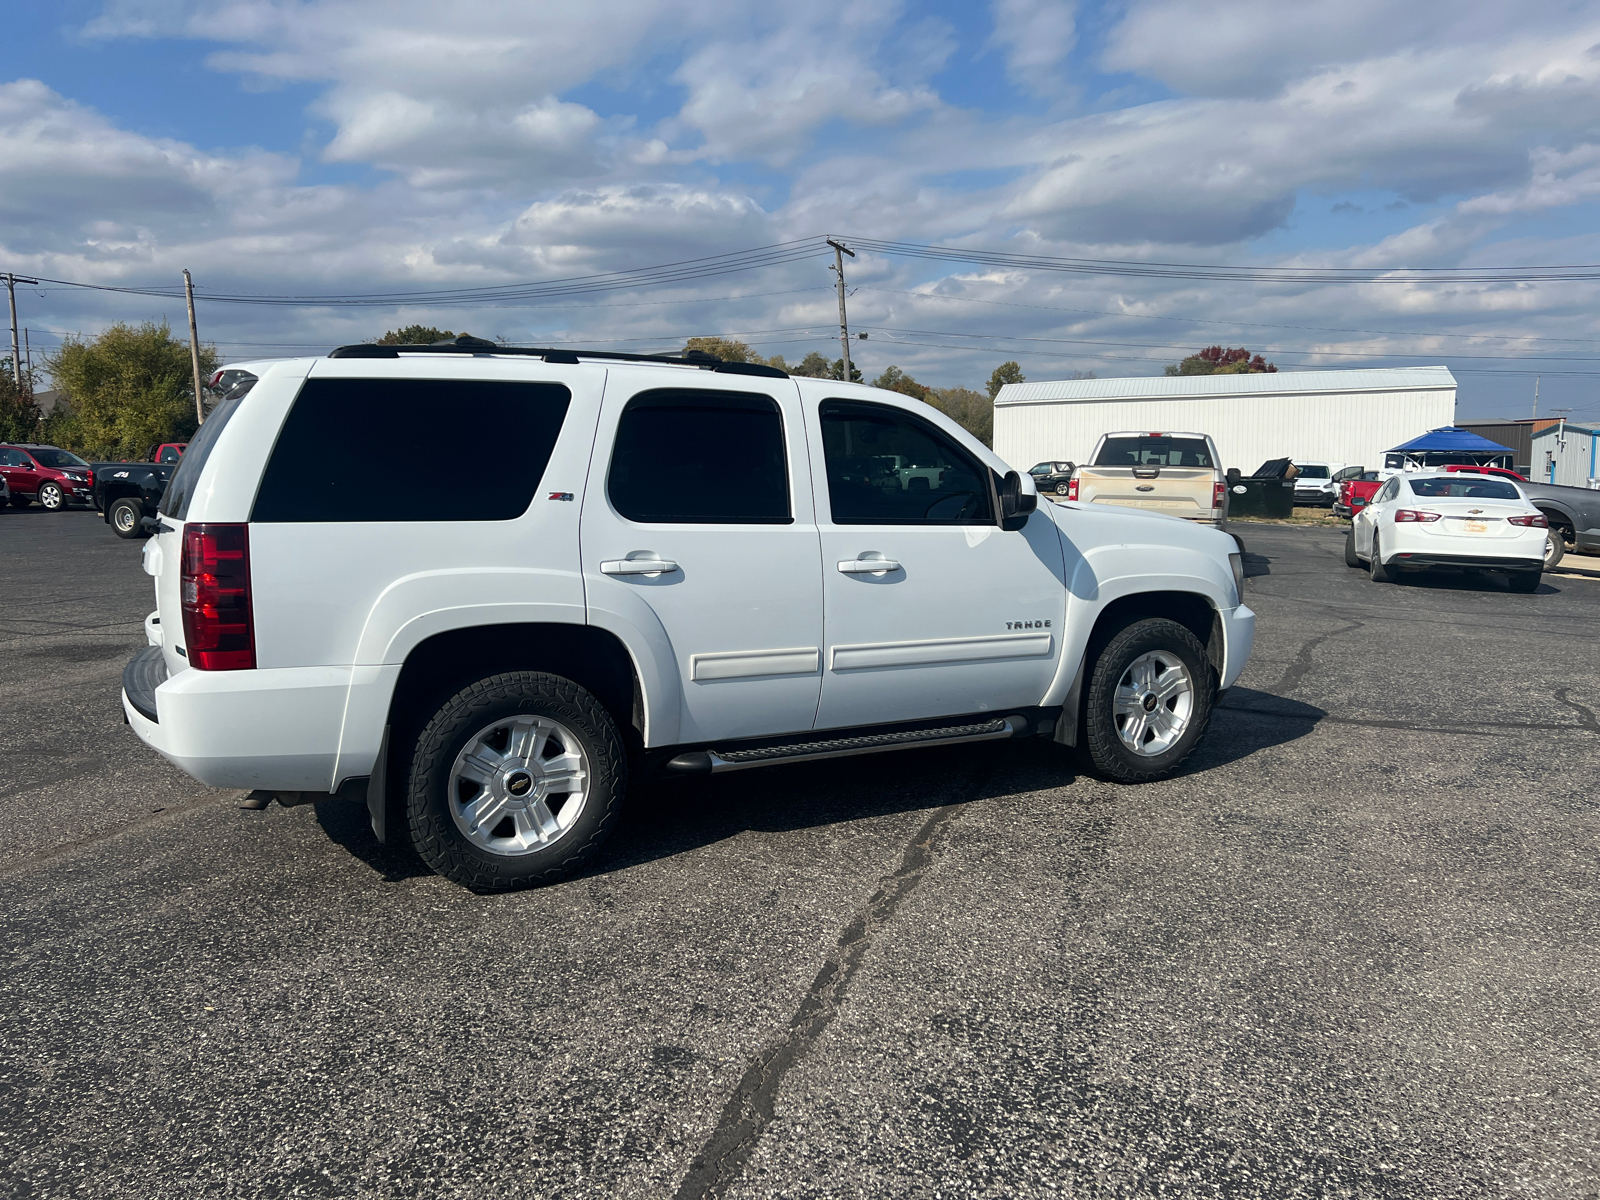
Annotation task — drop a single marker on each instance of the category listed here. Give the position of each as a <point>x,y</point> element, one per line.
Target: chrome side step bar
<point>709,762</point>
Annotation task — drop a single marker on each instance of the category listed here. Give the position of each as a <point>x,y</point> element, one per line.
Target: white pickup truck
<point>1172,473</point>
<point>644,565</point>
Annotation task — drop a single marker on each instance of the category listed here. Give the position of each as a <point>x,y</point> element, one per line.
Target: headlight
<point>1236,561</point>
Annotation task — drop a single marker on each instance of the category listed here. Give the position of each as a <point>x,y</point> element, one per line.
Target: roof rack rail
<point>466,344</point>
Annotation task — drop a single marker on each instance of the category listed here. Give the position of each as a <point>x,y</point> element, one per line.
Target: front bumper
<point>1238,636</point>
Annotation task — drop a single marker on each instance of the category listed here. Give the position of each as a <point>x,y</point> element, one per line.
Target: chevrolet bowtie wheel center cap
<point>519,783</point>
<point>1149,702</point>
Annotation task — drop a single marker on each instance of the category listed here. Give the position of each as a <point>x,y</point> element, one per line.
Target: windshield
<point>1312,471</point>
<point>58,458</point>
<point>1464,489</point>
<point>1154,451</point>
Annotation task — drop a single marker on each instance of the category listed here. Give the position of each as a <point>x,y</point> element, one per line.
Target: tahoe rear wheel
<point>1149,700</point>
<point>515,781</point>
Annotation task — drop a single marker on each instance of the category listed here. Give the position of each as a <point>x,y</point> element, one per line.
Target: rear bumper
<point>1491,562</point>
<point>275,729</point>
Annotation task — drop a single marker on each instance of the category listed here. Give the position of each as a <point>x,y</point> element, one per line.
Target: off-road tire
<point>1555,548</point>
<point>1525,581</point>
<point>1100,749</point>
<point>433,832</point>
<point>52,498</point>
<point>1375,567</point>
<point>135,511</point>
<point>1351,558</point>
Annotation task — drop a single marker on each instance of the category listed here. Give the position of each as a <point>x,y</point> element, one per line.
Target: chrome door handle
<point>642,565</point>
<point>866,565</point>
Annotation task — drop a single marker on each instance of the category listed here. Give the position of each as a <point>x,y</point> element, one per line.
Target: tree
<point>837,371</point>
<point>1007,372</point>
<point>1217,360</point>
<point>19,415</point>
<point>727,349</point>
<point>971,410</point>
<point>415,335</point>
<point>130,387</point>
<point>896,380</point>
<point>814,366</point>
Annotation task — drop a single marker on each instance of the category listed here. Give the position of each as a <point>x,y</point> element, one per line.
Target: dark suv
<point>48,474</point>
<point>1052,476</point>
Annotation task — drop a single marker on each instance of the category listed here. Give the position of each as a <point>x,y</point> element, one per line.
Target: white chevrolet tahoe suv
<point>643,566</point>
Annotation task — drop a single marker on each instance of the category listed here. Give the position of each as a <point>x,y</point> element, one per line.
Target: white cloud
<point>1036,36</point>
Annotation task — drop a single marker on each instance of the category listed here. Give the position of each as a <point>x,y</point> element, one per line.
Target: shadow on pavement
<point>668,817</point>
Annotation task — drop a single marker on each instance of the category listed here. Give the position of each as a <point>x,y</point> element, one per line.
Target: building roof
<point>1452,438</point>
<point>1169,387</point>
<point>1555,428</point>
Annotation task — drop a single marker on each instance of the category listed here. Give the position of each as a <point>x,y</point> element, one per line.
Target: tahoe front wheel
<point>1148,702</point>
<point>514,782</point>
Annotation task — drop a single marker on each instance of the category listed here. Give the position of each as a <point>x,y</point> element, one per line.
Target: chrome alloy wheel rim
<point>518,785</point>
<point>1154,703</point>
<point>50,497</point>
<point>125,518</point>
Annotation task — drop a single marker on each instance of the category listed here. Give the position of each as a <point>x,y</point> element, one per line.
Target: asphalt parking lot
<point>1351,951</point>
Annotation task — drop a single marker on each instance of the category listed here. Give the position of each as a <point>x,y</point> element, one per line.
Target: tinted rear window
<point>409,450</point>
<point>180,488</point>
<point>1154,451</point>
<point>1313,472</point>
<point>686,456</point>
<point>1465,487</point>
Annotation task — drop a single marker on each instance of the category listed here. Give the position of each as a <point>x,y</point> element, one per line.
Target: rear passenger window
<point>690,457</point>
<point>410,450</point>
<point>180,488</point>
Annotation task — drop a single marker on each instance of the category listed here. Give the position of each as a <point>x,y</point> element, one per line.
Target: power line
<point>1098,312</point>
<point>1222,272</point>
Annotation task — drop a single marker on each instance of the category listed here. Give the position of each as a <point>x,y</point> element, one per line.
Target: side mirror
<point>1015,504</point>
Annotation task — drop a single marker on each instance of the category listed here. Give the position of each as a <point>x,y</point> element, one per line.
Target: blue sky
<point>314,146</point>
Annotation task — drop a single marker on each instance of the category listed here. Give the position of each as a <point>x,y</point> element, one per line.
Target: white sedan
<point>1437,519</point>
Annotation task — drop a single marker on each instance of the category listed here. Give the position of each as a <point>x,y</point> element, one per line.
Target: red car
<point>48,474</point>
<point>1355,494</point>
<point>1500,471</point>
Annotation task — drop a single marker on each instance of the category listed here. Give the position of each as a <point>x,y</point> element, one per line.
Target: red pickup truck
<point>1356,493</point>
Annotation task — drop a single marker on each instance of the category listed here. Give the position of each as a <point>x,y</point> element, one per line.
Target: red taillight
<point>1404,515</point>
<point>1219,493</point>
<point>1072,489</point>
<point>217,626</point>
<point>1536,521</point>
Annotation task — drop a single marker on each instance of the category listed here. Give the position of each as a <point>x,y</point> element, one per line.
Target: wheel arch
<point>1195,611</point>
<point>1560,518</point>
<point>440,665</point>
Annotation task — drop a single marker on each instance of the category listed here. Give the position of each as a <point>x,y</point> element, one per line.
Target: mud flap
<point>378,791</point>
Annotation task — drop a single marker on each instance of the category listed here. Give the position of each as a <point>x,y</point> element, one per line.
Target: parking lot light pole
<point>194,348</point>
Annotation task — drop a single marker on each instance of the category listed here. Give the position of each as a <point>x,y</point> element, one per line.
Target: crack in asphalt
<point>749,1110</point>
<point>1586,717</point>
<point>1476,728</point>
<point>1302,661</point>
<point>165,813</point>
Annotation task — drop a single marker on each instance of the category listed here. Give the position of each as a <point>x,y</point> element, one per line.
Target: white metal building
<point>1345,417</point>
<point>1564,453</point>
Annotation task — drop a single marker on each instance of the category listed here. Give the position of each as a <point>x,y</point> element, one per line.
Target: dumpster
<point>1267,493</point>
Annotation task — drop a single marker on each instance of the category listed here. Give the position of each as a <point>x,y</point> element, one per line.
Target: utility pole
<point>1536,396</point>
<point>27,352</point>
<point>844,325</point>
<point>16,349</point>
<point>194,347</point>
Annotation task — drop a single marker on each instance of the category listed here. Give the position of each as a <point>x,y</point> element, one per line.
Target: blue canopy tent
<point>1452,444</point>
